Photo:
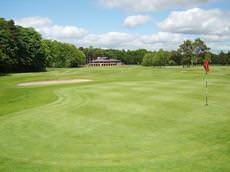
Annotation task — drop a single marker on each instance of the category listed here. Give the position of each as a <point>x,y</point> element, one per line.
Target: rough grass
<point>129,119</point>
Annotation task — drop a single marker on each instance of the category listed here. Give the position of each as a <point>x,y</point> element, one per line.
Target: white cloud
<point>197,21</point>
<point>150,5</point>
<point>216,38</point>
<point>213,26</point>
<point>34,22</point>
<point>167,40</point>
<point>163,37</point>
<point>220,46</point>
<point>133,21</point>
<point>120,40</point>
<point>51,31</point>
<point>108,39</point>
<point>62,32</point>
<point>217,42</point>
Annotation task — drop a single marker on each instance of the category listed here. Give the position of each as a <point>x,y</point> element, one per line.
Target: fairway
<point>127,119</point>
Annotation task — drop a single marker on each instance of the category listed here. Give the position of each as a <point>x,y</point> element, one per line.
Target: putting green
<point>126,119</point>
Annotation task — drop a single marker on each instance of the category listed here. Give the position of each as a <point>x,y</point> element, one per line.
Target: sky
<point>125,24</point>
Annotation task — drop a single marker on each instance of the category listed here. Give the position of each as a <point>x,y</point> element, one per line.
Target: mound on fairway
<point>132,119</point>
<point>53,82</point>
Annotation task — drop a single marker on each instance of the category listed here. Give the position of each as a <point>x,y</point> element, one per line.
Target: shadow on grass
<point>10,73</point>
<point>4,74</point>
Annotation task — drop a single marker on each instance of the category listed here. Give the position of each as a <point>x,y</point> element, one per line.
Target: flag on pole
<point>205,65</point>
<point>206,68</point>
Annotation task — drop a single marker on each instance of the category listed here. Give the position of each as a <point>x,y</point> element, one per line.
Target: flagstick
<point>206,89</point>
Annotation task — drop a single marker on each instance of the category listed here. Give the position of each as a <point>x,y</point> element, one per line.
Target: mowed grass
<point>128,119</point>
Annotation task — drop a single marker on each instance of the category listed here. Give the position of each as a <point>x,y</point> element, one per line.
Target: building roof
<point>105,59</point>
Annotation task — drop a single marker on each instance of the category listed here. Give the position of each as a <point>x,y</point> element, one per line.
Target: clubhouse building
<point>105,61</point>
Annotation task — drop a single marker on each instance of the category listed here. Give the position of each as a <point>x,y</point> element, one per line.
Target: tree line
<point>23,50</point>
<point>62,54</point>
<point>189,53</point>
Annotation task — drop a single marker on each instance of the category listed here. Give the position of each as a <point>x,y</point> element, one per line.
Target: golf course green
<point>126,119</point>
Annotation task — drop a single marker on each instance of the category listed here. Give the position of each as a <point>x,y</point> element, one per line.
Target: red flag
<point>205,65</point>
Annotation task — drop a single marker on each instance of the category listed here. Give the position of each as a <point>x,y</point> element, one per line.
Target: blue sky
<point>125,24</point>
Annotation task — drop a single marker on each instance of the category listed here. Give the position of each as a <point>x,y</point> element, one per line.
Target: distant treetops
<point>188,53</point>
<point>23,50</point>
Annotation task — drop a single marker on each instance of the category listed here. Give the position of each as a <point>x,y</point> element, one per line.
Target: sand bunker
<point>53,82</point>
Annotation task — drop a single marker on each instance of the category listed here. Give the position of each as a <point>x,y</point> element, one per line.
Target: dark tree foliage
<point>62,54</point>
<point>20,48</point>
<point>193,52</point>
<point>175,58</point>
<point>200,51</point>
<point>159,58</point>
<point>186,51</point>
<point>221,59</point>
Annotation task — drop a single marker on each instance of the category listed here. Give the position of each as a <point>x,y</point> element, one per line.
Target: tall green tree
<point>175,58</point>
<point>159,58</point>
<point>186,51</point>
<point>200,50</point>
<point>21,49</point>
<point>63,54</point>
<point>148,59</point>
